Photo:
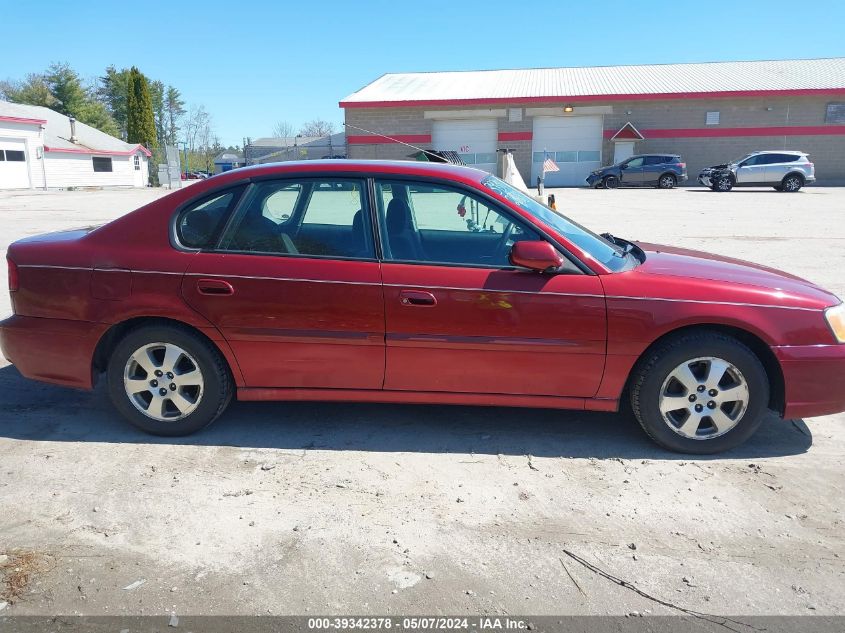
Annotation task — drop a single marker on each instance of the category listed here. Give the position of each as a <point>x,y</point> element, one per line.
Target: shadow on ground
<point>35,411</point>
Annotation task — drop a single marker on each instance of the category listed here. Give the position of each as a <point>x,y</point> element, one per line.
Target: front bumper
<point>594,179</point>
<point>704,179</point>
<point>57,351</point>
<point>814,378</point>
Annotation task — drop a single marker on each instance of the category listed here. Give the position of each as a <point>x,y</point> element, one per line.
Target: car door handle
<point>417,298</point>
<point>214,287</point>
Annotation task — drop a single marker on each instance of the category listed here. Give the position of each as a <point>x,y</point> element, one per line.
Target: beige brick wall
<point>827,152</point>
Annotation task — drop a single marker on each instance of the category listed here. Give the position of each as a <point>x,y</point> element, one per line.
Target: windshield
<point>739,160</point>
<point>599,248</point>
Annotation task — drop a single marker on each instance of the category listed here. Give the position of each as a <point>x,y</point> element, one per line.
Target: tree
<point>157,99</point>
<point>113,92</point>
<point>317,127</point>
<point>197,121</point>
<point>140,123</point>
<point>283,129</point>
<point>174,108</point>
<point>32,91</point>
<point>66,87</point>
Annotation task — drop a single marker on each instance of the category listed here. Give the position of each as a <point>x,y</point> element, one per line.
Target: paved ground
<point>331,508</point>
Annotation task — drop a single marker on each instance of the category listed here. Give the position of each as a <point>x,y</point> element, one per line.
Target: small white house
<point>43,149</point>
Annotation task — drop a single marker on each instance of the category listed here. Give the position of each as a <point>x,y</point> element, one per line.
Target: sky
<point>255,63</point>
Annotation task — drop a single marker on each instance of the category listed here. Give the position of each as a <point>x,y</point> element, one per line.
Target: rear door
<point>294,285</point>
<point>778,165</point>
<point>653,166</point>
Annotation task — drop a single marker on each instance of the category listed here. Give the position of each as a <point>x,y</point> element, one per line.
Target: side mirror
<point>623,166</point>
<point>535,255</point>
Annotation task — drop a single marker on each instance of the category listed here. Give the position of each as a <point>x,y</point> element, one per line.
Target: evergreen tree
<point>157,100</point>
<point>113,92</point>
<point>140,123</point>
<point>174,109</point>
<point>32,91</point>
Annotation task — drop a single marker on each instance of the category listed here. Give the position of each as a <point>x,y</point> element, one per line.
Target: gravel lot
<point>374,509</point>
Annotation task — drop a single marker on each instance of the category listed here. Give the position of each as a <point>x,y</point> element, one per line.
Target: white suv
<point>783,170</point>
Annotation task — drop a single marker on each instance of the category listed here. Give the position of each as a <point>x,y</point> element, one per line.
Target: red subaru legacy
<point>417,283</point>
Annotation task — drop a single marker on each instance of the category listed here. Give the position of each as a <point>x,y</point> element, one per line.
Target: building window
<point>712,118</point>
<point>137,162</point>
<point>101,164</point>
<point>12,155</point>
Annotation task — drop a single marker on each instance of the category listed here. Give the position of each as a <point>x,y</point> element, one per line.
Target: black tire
<point>653,370</point>
<point>610,182</point>
<point>667,181</point>
<point>210,400</point>
<point>723,183</point>
<point>792,183</point>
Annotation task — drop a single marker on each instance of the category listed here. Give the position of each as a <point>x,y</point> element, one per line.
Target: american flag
<point>549,165</point>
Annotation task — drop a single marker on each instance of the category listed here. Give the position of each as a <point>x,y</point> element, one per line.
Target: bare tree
<point>283,129</point>
<point>317,127</point>
<point>196,122</point>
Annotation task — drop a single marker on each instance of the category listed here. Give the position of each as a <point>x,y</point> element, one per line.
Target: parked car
<point>644,170</point>
<point>783,170</point>
<point>418,283</point>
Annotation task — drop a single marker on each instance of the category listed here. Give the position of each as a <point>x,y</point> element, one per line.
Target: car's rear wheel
<point>667,181</point>
<point>167,380</point>
<point>792,183</point>
<point>700,393</point>
<point>610,182</point>
<point>723,183</point>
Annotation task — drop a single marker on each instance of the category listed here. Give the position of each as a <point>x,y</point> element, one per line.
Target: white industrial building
<point>43,149</point>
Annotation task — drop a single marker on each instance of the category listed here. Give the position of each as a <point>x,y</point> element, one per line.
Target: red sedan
<point>417,283</point>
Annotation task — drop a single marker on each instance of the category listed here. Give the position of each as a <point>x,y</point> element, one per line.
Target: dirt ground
<point>383,509</point>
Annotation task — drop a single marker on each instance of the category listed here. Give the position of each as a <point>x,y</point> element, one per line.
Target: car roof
<point>368,167</point>
<point>656,154</point>
<point>779,151</point>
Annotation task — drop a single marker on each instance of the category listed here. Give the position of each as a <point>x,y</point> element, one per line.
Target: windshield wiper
<point>619,250</point>
<point>626,247</point>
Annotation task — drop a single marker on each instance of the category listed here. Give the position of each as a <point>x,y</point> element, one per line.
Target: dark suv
<point>643,170</point>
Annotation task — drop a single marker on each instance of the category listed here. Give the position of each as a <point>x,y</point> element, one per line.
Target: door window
<point>635,162</point>
<point>438,224</point>
<point>315,218</point>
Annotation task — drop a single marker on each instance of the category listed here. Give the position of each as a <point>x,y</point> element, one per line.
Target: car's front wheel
<point>700,393</point>
<point>722,183</point>
<point>610,182</point>
<point>666,181</point>
<point>168,380</point>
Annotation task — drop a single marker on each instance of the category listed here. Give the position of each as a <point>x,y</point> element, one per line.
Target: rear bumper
<point>814,377</point>
<point>51,350</point>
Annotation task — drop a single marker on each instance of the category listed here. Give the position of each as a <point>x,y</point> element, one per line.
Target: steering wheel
<point>502,249</point>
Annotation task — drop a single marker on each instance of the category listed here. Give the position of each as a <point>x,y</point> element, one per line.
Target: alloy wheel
<point>667,182</point>
<point>703,398</point>
<point>792,183</point>
<point>163,381</point>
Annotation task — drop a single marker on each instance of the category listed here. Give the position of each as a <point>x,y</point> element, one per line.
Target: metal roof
<point>653,81</point>
<point>57,131</point>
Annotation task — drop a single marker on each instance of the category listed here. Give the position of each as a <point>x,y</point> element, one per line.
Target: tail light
<point>682,165</point>
<point>14,282</point>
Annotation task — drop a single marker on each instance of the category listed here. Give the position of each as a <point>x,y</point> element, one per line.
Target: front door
<point>632,171</point>
<point>752,170</point>
<point>293,284</point>
<point>460,318</point>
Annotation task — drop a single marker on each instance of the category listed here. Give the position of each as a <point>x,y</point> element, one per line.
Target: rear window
<point>199,225</point>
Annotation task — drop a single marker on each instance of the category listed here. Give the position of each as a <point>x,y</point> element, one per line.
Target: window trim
<point>173,233</point>
<point>494,204</point>
<point>297,215</point>
<point>102,171</point>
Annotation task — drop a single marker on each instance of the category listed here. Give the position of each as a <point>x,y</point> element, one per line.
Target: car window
<point>655,160</point>
<point>199,225</point>
<point>759,159</point>
<point>784,158</point>
<point>313,217</point>
<point>635,162</point>
<point>421,222</point>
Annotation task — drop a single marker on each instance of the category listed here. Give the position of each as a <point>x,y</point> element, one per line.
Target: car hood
<point>680,262</point>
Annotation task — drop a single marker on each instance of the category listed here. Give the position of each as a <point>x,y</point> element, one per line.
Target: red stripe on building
<point>381,140</point>
<point>729,94</point>
<point>103,152</point>
<point>515,136</point>
<point>798,130</point>
<point>18,119</point>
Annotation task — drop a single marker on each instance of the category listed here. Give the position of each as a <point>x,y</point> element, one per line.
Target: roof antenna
<point>395,140</point>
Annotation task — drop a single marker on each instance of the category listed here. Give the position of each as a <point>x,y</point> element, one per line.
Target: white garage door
<point>573,143</point>
<point>474,140</point>
<point>14,170</point>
